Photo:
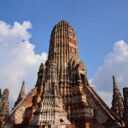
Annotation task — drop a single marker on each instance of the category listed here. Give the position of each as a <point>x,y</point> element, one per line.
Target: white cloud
<point>18,60</point>
<point>115,63</point>
<point>107,96</point>
<point>91,83</point>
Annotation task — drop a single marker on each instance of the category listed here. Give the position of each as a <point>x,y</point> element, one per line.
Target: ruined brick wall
<point>18,114</point>
<point>102,117</point>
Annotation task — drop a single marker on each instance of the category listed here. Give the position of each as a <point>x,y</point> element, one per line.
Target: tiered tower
<point>65,74</point>
<point>62,97</point>
<point>50,111</point>
<point>63,47</point>
<point>117,102</point>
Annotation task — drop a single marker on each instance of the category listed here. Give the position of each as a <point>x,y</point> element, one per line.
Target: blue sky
<point>98,23</point>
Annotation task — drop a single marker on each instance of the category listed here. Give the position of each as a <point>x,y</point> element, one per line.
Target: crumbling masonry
<point>62,96</point>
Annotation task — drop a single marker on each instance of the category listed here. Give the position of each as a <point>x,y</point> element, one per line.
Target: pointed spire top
<point>22,93</point>
<point>117,101</point>
<point>114,82</point>
<point>41,66</point>
<point>5,94</point>
<point>23,83</point>
<point>63,22</point>
<point>113,77</point>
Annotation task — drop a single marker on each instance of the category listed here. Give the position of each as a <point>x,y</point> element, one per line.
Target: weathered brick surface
<point>62,97</point>
<point>21,94</point>
<point>117,101</point>
<point>4,106</point>
<point>125,92</point>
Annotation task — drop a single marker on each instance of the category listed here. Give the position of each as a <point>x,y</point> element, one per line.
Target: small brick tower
<point>4,105</point>
<point>21,94</point>
<point>117,102</point>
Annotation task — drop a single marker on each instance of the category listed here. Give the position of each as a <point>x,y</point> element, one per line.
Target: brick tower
<point>4,105</point>
<point>117,102</point>
<point>62,97</point>
<point>63,75</point>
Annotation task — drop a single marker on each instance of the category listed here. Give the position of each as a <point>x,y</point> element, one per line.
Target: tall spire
<point>61,76</point>
<point>117,102</point>
<point>63,46</point>
<point>21,94</point>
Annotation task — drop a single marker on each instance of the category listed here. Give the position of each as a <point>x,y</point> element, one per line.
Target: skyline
<point>98,26</point>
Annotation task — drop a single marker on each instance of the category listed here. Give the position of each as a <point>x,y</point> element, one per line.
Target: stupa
<point>62,96</point>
